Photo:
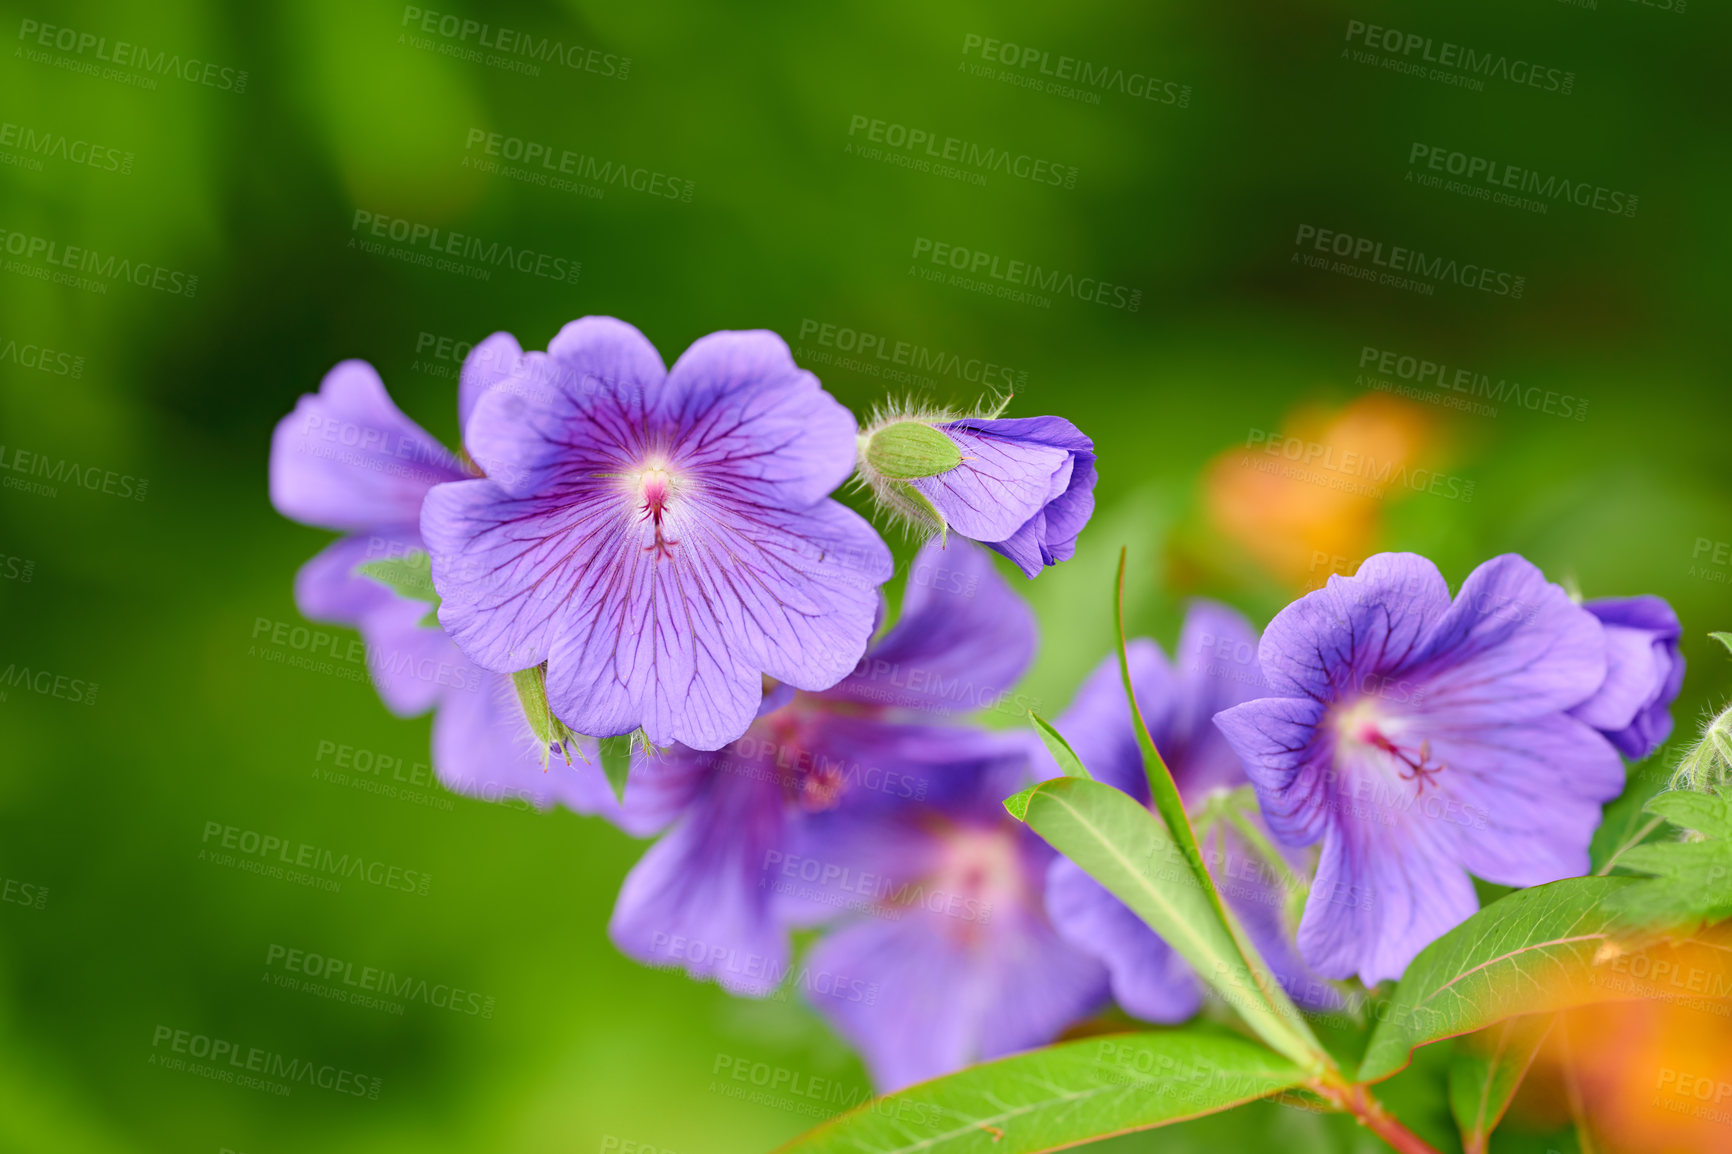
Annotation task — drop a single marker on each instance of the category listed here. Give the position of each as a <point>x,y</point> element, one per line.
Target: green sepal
<point>905,450</point>
<point>616,762</point>
<point>1723,638</point>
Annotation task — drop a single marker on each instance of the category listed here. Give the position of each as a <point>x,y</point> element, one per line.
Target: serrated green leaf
<point>616,763</point>
<point>1529,952</point>
<point>1128,850</point>
<point>1060,1096</point>
<point>1692,882</point>
<point>1068,762</point>
<point>410,576</point>
<point>1483,1078</point>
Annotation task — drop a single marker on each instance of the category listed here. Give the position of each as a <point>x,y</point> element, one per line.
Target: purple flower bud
<point>1644,672</point>
<point>1022,487</point>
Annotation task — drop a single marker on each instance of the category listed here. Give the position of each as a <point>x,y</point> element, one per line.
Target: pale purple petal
<point>1001,483</point>
<point>1521,801</point>
<point>482,748</point>
<point>963,639</point>
<point>1149,979</point>
<point>1330,641</point>
<point>495,359</point>
<point>1276,739</point>
<point>1645,672</point>
<point>696,900</point>
<point>1025,487</point>
<point>755,421</point>
<point>939,1003</point>
<point>348,459</point>
<point>1511,647</point>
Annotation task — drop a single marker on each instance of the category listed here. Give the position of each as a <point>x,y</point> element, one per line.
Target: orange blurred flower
<point>1307,501</point>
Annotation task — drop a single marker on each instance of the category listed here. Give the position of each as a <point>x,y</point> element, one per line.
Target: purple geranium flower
<point>660,539</point>
<point>1216,668</point>
<point>1424,740</point>
<point>347,459</point>
<point>944,954</point>
<point>1022,487</point>
<point>705,897</point>
<point>1644,672</point>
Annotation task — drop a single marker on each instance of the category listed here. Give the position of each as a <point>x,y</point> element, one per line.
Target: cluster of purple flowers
<point>659,551</point>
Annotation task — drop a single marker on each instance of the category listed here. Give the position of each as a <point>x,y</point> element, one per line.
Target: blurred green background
<point>354,106</point>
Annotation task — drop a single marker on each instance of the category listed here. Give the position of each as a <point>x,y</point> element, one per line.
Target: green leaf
<point>1530,952</point>
<point>1723,638</point>
<point>1692,882</point>
<point>410,576</point>
<point>1060,1096</point>
<point>1016,805</point>
<point>616,763</point>
<point>1484,1078</point>
<point>1128,850</point>
<point>1068,762</point>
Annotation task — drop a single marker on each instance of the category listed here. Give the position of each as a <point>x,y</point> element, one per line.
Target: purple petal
<point>1334,641</point>
<point>1382,893</point>
<point>348,459</point>
<point>1001,483</point>
<point>676,644</point>
<point>1276,739</point>
<point>1098,723</point>
<point>1521,801</point>
<point>1644,674</point>
<point>754,420</point>
<point>493,360</point>
<point>482,748</point>
<point>1149,980</point>
<point>411,665</point>
<point>963,639</point>
<point>1512,646</point>
<point>940,999</point>
<point>568,414</point>
<point>698,899</point>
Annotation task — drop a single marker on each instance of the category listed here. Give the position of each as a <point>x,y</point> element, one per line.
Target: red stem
<point>1356,1099</point>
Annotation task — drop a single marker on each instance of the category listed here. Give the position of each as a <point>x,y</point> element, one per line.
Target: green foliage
<point>1482,1082</point>
<point>1530,952</point>
<point>1060,1096</point>
<point>1691,882</point>
<point>1129,851</point>
<point>1068,762</point>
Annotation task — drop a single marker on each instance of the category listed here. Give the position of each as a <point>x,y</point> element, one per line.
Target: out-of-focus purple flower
<point>348,459</point>
<point>1424,740</point>
<point>1216,668</point>
<point>1644,672</point>
<point>1023,487</point>
<point>943,954</point>
<point>706,896</point>
<point>660,539</point>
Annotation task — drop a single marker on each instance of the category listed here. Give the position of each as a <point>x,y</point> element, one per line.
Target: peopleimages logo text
<point>124,54</point>
<point>1412,262</point>
<point>1445,54</point>
<point>442,242</point>
<point>1025,274</point>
